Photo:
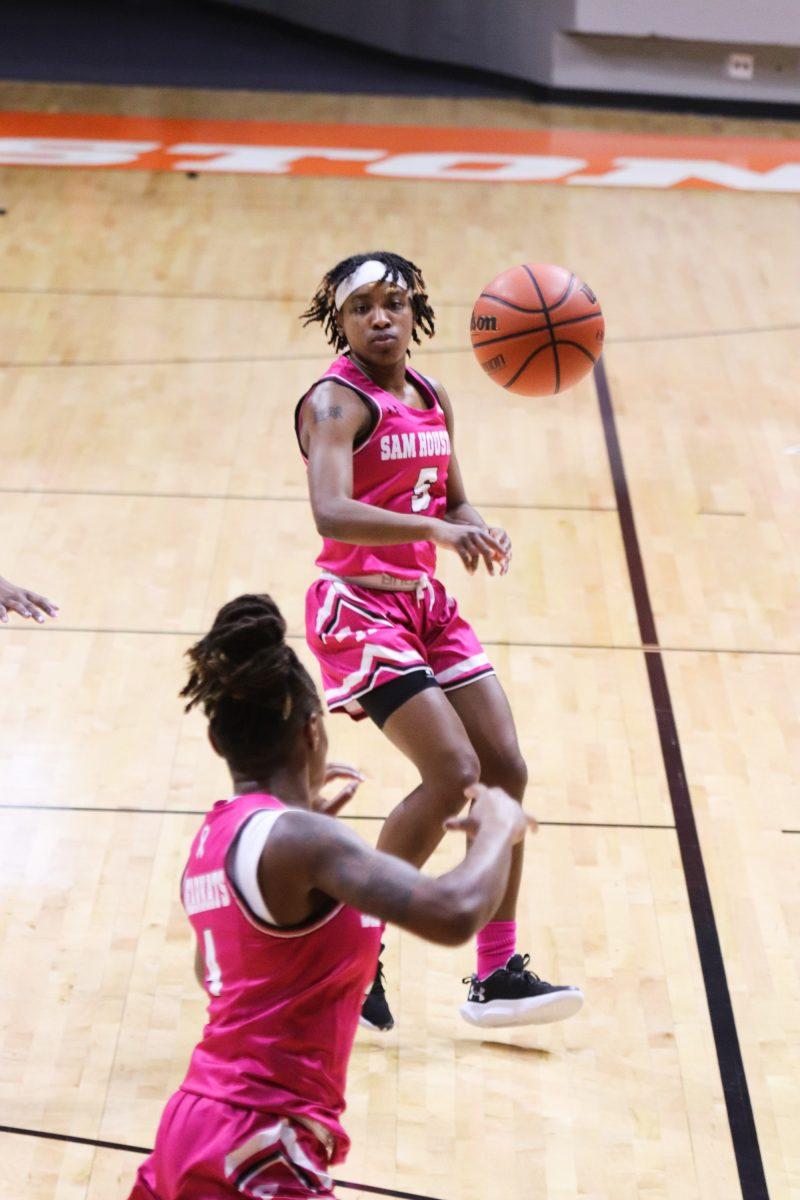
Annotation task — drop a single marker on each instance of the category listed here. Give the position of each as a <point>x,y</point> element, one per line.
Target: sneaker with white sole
<point>511,995</point>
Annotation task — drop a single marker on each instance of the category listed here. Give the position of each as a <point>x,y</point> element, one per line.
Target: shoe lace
<point>522,972</point>
<point>527,975</point>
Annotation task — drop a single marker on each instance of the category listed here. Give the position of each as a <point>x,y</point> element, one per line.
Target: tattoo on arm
<point>334,412</point>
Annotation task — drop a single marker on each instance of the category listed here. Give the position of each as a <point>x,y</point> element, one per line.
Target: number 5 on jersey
<point>421,496</point>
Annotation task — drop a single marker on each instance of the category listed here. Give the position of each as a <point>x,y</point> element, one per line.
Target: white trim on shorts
<point>284,1134</point>
<point>454,673</point>
<point>398,661</point>
<point>339,592</point>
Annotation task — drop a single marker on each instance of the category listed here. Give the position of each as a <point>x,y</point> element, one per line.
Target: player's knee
<point>509,771</point>
<point>455,770</point>
<point>517,775</point>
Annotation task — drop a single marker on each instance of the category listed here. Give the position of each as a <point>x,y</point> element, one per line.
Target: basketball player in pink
<point>287,906</point>
<point>386,492</point>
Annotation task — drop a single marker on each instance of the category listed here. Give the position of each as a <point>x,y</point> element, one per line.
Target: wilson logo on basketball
<point>551,333</point>
<point>483,323</point>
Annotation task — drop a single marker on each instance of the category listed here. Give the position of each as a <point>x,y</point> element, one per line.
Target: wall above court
<point>717,50</point>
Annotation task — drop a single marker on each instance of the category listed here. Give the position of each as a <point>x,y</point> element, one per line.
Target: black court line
<point>99,1144</point>
<point>729,1056</point>
<point>15,626</point>
<point>158,812</point>
<point>227,297</point>
<point>322,356</point>
<point>266,498</point>
<point>317,356</point>
<point>601,825</point>
<point>273,298</point>
<point>202,812</point>
<point>202,360</point>
<point>790,831</point>
<point>711,512</point>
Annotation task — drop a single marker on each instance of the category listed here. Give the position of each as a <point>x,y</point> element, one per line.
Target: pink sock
<point>497,941</point>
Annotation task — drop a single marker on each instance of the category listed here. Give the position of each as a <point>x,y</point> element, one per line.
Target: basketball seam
<point>547,346</point>
<point>563,297</point>
<point>506,337</point>
<point>578,346</point>
<point>520,308</point>
<point>508,304</point>
<point>528,360</point>
<point>546,314</point>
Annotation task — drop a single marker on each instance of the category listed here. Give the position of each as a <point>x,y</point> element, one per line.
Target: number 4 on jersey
<point>213,972</point>
<point>421,496</point>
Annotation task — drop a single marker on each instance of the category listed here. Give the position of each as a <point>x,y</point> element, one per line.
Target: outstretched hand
<point>491,806</point>
<point>336,770</point>
<point>475,543</point>
<point>24,602</point>
<point>504,540</point>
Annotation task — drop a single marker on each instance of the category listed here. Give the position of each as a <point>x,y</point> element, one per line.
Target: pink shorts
<point>365,637</point>
<point>208,1150</point>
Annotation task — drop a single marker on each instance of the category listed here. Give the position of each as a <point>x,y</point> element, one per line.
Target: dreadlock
<point>253,688</point>
<point>322,308</point>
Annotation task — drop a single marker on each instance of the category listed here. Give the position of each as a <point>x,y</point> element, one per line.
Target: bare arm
<point>333,417</point>
<point>199,966</point>
<point>309,857</point>
<point>459,510</point>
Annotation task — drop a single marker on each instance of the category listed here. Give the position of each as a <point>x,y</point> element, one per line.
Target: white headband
<point>370,271</point>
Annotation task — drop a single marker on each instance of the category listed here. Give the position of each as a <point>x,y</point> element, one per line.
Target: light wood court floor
<point>150,360</point>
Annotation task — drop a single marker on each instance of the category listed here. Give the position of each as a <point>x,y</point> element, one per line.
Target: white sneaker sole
<point>531,1010</point>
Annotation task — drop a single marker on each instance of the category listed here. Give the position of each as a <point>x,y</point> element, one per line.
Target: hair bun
<point>243,657</point>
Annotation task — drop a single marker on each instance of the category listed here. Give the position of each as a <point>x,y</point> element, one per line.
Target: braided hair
<point>253,688</point>
<point>322,308</point>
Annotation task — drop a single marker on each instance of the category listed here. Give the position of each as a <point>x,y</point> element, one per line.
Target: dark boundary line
<point>790,831</point>
<point>601,825</point>
<point>99,1144</point>
<point>729,1056</point>
<point>122,495</point>
<point>309,356</point>
<point>20,626</point>
<point>266,298</point>
<point>155,812</point>
<point>714,512</point>
<point>201,812</point>
<point>216,297</point>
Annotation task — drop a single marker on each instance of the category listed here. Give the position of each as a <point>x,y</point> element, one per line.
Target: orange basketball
<point>537,329</point>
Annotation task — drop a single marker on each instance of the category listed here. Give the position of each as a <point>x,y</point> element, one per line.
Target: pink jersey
<point>283,1002</point>
<point>400,464</point>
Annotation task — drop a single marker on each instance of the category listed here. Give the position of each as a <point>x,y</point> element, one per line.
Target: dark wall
<point>190,43</point>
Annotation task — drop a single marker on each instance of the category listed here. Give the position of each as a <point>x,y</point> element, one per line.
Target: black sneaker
<point>375,1012</point>
<point>513,996</point>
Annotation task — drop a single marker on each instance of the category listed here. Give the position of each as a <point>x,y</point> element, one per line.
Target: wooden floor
<point>150,358</point>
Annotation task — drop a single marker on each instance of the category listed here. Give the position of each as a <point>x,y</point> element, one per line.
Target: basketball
<point>537,329</point>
